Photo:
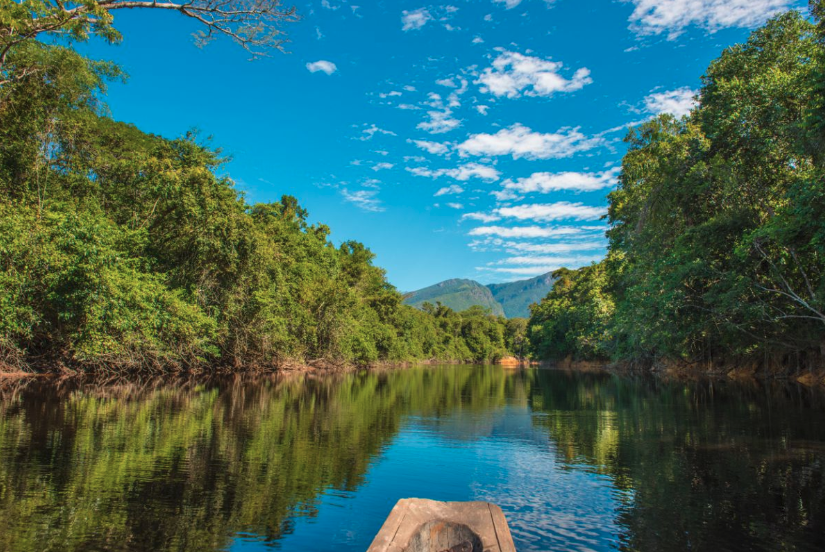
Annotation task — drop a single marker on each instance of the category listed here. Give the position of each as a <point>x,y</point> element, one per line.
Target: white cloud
<point>415,19</point>
<point>565,247</point>
<point>677,102</point>
<point>551,260</point>
<point>654,17</point>
<point>462,172</point>
<point>544,182</point>
<point>450,190</point>
<point>483,217</point>
<point>482,109</point>
<point>514,74</point>
<point>364,199</point>
<point>546,212</point>
<point>441,118</point>
<point>509,4</point>
<point>326,4</point>
<point>372,130</point>
<point>439,122</point>
<point>519,141</point>
<point>478,40</point>
<point>322,65</point>
<point>382,166</point>
<point>530,270</point>
<point>504,195</point>
<point>435,148</point>
<point>455,205</point>
<point>525,231</point>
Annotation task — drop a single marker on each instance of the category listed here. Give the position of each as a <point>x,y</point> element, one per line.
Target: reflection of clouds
<point>549,506</point>
<point>509,422</point>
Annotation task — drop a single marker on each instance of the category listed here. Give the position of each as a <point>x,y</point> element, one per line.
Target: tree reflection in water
<point>188,465</point>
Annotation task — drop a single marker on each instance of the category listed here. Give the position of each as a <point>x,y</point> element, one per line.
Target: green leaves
<point>716,244</point>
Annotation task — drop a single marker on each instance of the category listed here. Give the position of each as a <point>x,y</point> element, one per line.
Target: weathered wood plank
<point>416,525</point>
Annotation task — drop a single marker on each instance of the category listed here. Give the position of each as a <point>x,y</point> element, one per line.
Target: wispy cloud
<point>677,102</point>
<point>462,172</point>
<point>672,17</point>
<point>415,19</point>
<point>371,130</point>
<point>323,66</point>
<point>585,241</point>
<point>509,4</point>
<point>514,74</point>
<point>382,166</point>
<point>450,190</point>
<point>544,182</point>
<point>564,247</point>
<point>483,217</point>
<point>435,148</point>
<point>553,260</point>
<point>548,212</point>
<point>440,117</point>
<point>528,270</point>
<point>364,199</point>
<point>526,231</point>
<point>519,141</point>
<point>439,122</point>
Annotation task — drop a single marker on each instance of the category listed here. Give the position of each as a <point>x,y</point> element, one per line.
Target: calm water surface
<point>576,461</point>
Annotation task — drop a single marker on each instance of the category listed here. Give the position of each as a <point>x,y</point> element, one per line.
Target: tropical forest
<point>481,275</point>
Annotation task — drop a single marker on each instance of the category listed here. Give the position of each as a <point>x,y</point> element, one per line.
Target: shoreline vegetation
<point>126,252</point>
<point>123,251</point>
<point>716,256</point>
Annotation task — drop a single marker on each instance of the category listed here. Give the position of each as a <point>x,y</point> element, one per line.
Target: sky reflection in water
<point>576,461</point>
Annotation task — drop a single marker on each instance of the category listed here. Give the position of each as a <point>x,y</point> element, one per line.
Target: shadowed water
<point>576,461</point>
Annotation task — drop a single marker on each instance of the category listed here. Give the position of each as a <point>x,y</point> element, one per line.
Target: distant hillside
<point>516,297</point>
<point>511,299</point>
<point>457,294</point>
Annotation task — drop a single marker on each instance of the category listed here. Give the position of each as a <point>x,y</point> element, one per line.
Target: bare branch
<point>253,24</point>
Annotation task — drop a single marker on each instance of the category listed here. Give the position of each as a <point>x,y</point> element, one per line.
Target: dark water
<point>576,461</point>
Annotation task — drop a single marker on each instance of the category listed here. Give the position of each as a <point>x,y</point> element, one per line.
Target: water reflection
<point>577,461</point>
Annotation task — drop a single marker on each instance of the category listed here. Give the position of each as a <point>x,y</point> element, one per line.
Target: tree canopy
<point>717,242</point>
<point>122,249</point>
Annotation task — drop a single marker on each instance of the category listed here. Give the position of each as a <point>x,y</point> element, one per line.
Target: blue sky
<point>465,139</point>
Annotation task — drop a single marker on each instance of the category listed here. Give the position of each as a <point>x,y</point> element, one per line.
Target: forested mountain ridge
<point>125,250</point>
<point>458,294</point>
<point>510,299</point>
<point>516,297</point>
<point>717,238</point>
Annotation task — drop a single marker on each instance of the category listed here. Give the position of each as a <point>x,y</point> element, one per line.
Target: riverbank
<point>317,366</point>
<point>741,370</point>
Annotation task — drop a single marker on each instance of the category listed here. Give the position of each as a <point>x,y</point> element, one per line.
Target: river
<point>577,461</point>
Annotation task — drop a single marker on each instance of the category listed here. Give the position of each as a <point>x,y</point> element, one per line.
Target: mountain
<point>457,294</point>
<point>516,297</point>
<point>511,299</point>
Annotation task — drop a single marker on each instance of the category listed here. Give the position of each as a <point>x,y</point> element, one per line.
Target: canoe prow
<point>420,525</point>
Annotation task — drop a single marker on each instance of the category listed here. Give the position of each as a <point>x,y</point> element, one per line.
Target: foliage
<point>717,243</point>
<point>190,466</point>
<point>572,319</point>
<point>123,249</point>
<point>253,24</point>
